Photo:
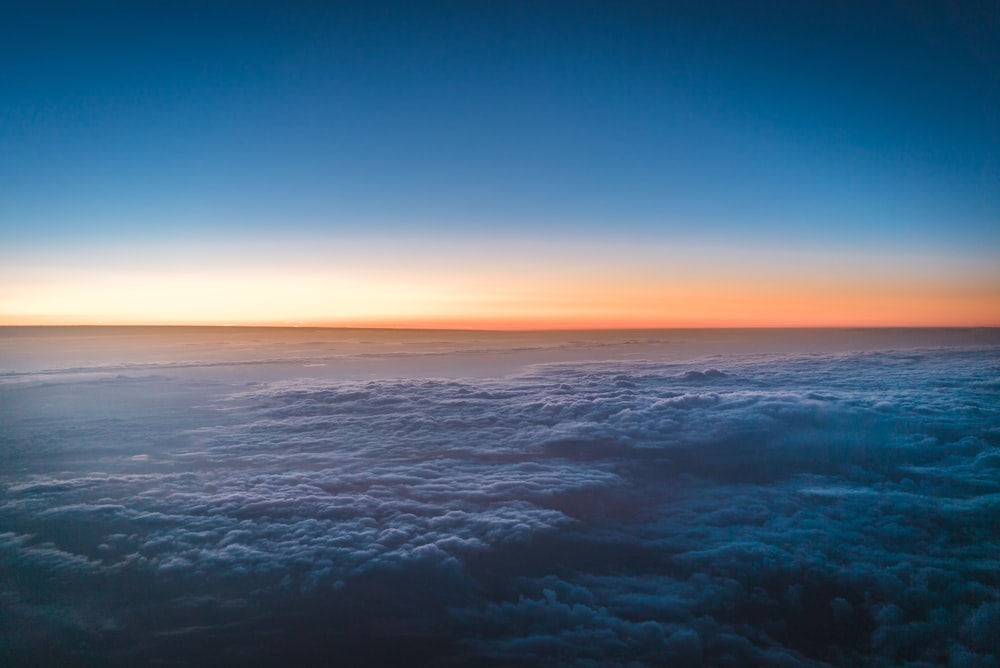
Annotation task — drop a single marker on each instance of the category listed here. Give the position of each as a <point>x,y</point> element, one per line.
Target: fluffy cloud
<point>767,510</point>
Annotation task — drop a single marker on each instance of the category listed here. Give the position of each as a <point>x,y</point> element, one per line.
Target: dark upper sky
<point>488,113</point>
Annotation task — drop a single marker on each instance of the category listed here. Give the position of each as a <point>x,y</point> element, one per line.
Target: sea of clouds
<point>743,510</point>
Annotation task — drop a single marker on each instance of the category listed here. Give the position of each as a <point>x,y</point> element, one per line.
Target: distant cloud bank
<point>815,510</point>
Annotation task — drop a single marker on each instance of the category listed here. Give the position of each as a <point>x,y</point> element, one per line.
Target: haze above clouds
<point>722,508</point>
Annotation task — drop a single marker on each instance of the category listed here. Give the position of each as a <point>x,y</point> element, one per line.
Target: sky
<point>500,164</point>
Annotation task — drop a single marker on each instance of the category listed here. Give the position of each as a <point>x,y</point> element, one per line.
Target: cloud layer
<point>745,510</point>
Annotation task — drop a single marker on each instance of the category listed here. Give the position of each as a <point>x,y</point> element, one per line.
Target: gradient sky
<point>500,164</point>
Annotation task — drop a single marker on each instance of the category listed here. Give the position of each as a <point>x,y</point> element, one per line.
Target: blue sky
<point>778,124</point>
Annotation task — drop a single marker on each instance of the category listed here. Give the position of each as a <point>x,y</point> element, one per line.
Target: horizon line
<point>406,328</point>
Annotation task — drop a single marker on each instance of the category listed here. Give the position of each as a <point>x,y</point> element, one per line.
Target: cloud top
<point>758,510</point>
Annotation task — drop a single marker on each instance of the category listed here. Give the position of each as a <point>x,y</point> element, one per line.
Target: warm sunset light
<point>499,285</point>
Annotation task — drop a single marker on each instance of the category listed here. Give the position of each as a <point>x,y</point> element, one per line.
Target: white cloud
<point>817,510</point>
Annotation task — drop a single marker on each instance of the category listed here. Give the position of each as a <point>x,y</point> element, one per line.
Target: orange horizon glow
<point>496,326</point>
<point>532,287</point>
<point>549,308</point>
<point>776,312</point>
